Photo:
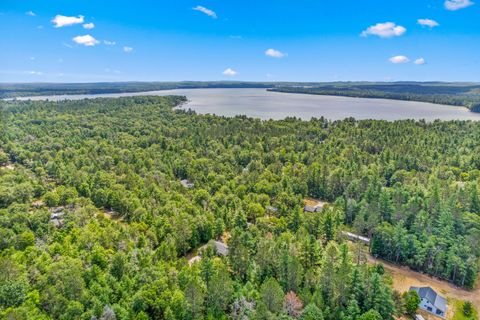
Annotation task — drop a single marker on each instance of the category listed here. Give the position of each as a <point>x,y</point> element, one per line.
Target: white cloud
<point>35,73</point>
<point>420,61</point>
<point>208,12</point>
<point>428,23</point>
<point>127,49</point>
<point>399,59</point>
<point>30,13</point>
<point>230,72</point>
<point>384,30</point>
<point>275,53</point>
<point>109,43</point>
<point>63,21</point>
<point>86,40</point>
<point>89,26</point>
<point>454,5</point>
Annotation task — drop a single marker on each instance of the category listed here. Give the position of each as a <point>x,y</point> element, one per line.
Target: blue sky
<point>257,40</point>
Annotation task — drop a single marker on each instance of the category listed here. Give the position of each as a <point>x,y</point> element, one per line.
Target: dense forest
<point>455,94</point>
<point>96,222</point>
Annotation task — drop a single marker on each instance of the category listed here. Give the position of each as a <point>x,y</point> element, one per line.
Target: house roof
<point>220,247</point>
<point>57,215</point>
<point>186,183</point>
<point>431,296</point>
<point>356,236</point>
<point>313,203</point>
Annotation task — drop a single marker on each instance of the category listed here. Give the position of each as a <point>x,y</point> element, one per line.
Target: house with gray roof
<point>356,237</point>
<point>430,301</point>
<point>220,248</point>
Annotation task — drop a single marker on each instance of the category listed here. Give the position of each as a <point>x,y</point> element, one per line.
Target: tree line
<point>448,94</point>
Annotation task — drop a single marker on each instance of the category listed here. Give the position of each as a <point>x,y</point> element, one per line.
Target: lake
<point>259,103</point>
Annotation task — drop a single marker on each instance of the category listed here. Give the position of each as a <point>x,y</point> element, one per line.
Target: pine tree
<point>353,310</point>
<point>272,295</point>
<point>344,275</point>
<point>311,312</point>
<point>411,302</point>
<point>474,200</point>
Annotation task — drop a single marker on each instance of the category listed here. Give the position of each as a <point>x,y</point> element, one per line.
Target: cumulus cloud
<point>454,5</point>
<point>86,40</point>
<point>89,26</point>
<point>208,12</point>
<point>30,13</point>
<point>399,59</point>
<point>109,43</point>
<point>275,53</point>
<point>230,72</point>
<point>384,30</point>
<point>63,21</point>
<point>428,23</point>
<point>127,49</point>
<point>420,61</point>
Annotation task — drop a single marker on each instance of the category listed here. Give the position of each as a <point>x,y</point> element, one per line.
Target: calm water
<point>260,103</point>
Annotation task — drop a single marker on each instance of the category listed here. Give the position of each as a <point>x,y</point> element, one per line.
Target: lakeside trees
<point>465,95</point>
<point>110,169</point>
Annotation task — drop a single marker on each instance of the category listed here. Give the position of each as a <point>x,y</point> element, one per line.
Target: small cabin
<point>221,248</point>
<point>187,184</point>
<point>313,205</point>
<point>56,216</point>
<point>355,237</point>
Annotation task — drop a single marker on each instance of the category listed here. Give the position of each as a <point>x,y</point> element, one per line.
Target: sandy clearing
<point>404,277</point>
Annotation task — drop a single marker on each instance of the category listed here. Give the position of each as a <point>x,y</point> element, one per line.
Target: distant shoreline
<point>443,93</point>
<point>264,104</point>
